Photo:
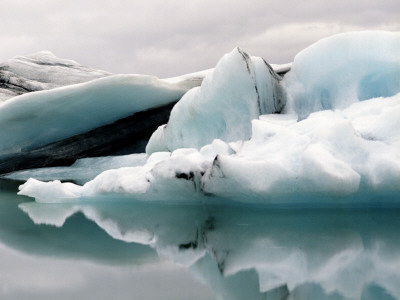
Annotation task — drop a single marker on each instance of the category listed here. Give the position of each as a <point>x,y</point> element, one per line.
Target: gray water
<point>134,250</point>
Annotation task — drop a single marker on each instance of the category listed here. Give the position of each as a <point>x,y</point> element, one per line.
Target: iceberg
<point>94,118</point>
<point>239,89</point>
<point>346,68</point>
<point>328,133</point>
<point>41,71</point>
<point>78,116</point>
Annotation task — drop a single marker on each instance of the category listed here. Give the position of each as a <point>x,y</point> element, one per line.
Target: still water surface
<point>136,250</point>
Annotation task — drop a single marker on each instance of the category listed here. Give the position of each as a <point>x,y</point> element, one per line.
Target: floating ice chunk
<point>340,70</point>
<point>53,191</point>
<point>238,90</point>
<point>222,145</point>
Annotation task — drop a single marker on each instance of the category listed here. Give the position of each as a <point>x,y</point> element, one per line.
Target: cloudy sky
<point>168,38</point>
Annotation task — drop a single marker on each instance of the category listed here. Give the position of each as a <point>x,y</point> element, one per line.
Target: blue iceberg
<point>328,132</point>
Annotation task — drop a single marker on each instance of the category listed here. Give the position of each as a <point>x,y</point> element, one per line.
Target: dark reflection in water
<point>237,252</point>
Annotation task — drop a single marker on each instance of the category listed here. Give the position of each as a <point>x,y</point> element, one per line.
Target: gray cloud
<point>168,38</point>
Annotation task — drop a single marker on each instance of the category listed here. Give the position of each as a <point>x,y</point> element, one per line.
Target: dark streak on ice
<point>246,58</point>
<point>272,71</point>
<point>190,245</point>
<point>209,224</point>
<point>221,260</point>
<point>125,136</point>
<point>185,176</point>
<point>190,177</point>
<point>217,165</point>
<point>277,95</point>
<point>201,235</point>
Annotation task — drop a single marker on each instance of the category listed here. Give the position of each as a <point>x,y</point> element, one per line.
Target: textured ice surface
<point>239,89</point>
<point>334,154</point>
<point>41,71</point>
<point>340,70</point>
<point>222,139</point>
<point>111,117</point>
<point>36,119</point>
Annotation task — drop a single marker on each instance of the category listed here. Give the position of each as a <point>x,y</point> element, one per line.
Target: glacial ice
<point>41,71</point>
<point>336,141</point>
<point>343,69</point>
<point>35,119</point>
<point>239,89</point>
<point>92,119</point>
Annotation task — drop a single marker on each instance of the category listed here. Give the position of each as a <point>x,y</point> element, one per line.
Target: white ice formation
<point>41,71</point>
<point>337,140</point>
<point>239,89</point>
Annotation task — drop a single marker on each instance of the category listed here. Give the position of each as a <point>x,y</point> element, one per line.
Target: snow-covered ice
<point>337,140</point>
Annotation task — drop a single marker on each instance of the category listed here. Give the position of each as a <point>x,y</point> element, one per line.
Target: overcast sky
<point>173,37</point>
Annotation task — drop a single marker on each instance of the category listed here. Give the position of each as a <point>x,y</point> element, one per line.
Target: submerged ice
<point>329,131</point>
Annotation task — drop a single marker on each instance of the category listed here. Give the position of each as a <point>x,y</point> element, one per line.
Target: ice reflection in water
<point>258,253</point>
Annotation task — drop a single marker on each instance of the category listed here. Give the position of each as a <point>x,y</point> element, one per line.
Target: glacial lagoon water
<point>135,250</point>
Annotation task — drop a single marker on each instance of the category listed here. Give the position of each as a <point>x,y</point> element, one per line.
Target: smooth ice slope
<point>349,154</point>
<point>239,89</point>
<point>41,71</point>
<point>340,70</point>
<point>36,119</point>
